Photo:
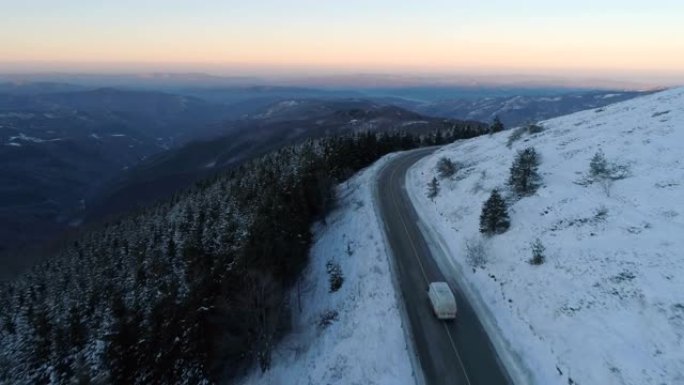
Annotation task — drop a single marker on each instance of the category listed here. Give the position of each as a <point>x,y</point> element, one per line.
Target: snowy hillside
<point>353,335</point>
<point>607,306</point>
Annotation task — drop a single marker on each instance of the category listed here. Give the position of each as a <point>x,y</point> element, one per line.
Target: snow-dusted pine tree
<point>433,188</point>
<point>537,252</point>
<point>598,166</point>
<point>497,126</point>
<point>494,218</point>
<point>524,178</point>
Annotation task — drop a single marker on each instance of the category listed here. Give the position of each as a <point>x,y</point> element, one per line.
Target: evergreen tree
<point>446,167</point>
<point>77,331</point>
<point>439,139</point>
<point>121,353</point>
<point>537,253</point>
<point>604,172</point>
<point>42,334</point>
<point>433,188</point>
<point>494,218</point>
<point>598,166</point>
<point>496,126</point>
<point>524,178</point>
<point>171,247</point>
<point>8,323</point>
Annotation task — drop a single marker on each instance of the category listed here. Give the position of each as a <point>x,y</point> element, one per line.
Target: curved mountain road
<point>451,352</point>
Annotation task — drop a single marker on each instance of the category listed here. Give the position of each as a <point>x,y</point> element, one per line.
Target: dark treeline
<point>193,289</point>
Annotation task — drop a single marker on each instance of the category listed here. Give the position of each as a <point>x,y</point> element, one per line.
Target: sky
<point>619,38</point>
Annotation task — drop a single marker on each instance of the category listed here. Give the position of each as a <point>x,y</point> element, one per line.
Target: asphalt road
<point>450,352</point>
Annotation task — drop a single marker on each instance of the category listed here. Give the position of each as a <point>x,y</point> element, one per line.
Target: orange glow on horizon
<point>383,36</point>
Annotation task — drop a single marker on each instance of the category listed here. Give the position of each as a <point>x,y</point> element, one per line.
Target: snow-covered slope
<point>607,307</point>
<point>364,342</point>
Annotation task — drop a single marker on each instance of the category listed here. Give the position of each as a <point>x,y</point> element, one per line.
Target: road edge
<point>418,374</point>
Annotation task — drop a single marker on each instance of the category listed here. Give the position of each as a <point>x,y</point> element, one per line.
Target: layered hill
<point>280,124</point>
<point>521,108</point>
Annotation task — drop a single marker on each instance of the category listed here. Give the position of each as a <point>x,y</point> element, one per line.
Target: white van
<point>442,300</point>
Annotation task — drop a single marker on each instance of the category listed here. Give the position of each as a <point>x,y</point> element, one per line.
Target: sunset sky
<point>629,38</point>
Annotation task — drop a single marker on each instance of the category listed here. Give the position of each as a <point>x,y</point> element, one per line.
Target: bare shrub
<point>479,185</point>
<point>600,214</point>
<point>515,136</point>
<point>534,128</point>
<point>446,168</point>
<point>335,276</point>
<point>476,252</point>
<point>604,172</point>
<point>261,305</point>
<point>519,132</point>
<point>327,318</point>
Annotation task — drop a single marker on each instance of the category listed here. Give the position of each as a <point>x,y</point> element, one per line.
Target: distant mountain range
<point>70,152</point>
<point>518,109</point>
<point>356,81</point>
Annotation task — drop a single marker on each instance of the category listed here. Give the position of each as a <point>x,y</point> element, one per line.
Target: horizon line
<point>481,77</point>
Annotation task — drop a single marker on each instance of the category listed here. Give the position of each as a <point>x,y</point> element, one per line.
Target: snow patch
<point>608,96</point>
<point>415,122</point>
<point>550,99</point>
<point>26,138</point>
<point>17,115</point>
<point>279,107</point>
